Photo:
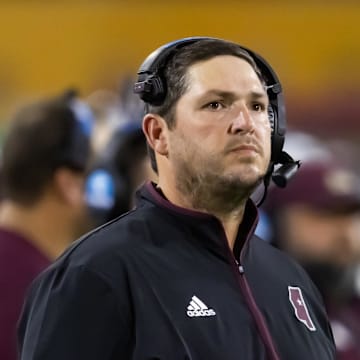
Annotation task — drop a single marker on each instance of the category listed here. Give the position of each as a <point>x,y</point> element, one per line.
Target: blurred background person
<point>116,173</point>
<point>316,220</point>
<point>114,110</point>
<point>121,163</point>
<point>107,109</point>
<point>44,160</point>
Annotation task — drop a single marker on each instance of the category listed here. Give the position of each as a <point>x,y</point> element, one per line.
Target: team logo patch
<point>301,311</point>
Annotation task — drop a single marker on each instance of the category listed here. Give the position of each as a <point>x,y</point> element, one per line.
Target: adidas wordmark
<point>198,308</point>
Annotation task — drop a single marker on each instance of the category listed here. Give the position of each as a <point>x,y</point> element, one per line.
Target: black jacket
<point>161,283</point>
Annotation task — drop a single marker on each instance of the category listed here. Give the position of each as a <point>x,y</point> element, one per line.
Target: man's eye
<point>214,105</point>
<point>258,107</point>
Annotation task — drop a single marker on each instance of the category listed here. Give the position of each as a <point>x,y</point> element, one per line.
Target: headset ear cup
<point>151,90</point>
<point>272,120</point>
<point>277,136</point>
<point>271,116</point>
<point>155,94</point>
<point>159,93</point>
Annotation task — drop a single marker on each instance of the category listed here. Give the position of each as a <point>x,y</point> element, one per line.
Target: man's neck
<point>231,225</point>
<point>229,216</point>
<point>39,224</point>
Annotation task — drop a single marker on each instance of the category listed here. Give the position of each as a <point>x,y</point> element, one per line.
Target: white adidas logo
<point>198,308</point>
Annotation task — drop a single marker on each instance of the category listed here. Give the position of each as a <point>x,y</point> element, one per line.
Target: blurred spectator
<point>117,172</point>
<point>44,159</point>
<point>316,219</point>
<point>114,109</point>
<point>107,109</point>
<point>121,163</point>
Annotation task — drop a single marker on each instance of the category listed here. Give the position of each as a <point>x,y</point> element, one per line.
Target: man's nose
<point>242,121</point>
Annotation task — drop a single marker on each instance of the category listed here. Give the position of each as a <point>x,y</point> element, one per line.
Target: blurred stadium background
<point>94,44</point>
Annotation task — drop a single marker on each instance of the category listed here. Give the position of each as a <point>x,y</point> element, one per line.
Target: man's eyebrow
<point>257,94</point>
<point>232,95</point>
<point>220,93</point>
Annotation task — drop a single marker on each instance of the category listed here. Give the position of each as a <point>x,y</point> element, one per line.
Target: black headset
<point>151,88</point>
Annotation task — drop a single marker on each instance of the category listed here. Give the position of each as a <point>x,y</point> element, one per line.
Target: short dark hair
<point>41,137</point>
<point>175,71</point>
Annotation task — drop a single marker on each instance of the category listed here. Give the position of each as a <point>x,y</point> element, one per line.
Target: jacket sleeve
<point>75,314</point>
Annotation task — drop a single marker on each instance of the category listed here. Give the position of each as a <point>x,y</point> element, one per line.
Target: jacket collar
<point>206,226</point>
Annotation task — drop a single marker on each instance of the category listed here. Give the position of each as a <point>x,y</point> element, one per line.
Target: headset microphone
<point>286,171</point>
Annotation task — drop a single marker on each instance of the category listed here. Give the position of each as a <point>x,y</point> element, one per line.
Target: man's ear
<point>156,130</point>
<point>69,186</point>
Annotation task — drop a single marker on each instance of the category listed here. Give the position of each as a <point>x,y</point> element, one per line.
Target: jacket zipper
<point>255,312</point>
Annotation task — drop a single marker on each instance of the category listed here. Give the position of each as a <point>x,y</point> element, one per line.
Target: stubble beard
<point>205,188</point>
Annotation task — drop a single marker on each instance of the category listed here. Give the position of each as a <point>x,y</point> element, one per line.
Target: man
<point>316,220</point>
<point>44,157</point>
<point>181,276</point>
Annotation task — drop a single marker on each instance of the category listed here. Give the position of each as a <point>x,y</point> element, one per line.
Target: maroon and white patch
<point>301,310</point>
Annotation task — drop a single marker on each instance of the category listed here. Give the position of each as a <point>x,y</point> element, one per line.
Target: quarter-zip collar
<point>206,227</point>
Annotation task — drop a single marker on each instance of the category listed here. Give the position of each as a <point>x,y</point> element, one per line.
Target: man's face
<point>222,132</point>
<point>314,235</point>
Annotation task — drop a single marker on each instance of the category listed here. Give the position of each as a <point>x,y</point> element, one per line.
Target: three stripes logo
<point>197,308</point>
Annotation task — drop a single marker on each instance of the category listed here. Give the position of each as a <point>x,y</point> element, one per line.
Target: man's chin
<point>246,180</point>
<point>245,185</point>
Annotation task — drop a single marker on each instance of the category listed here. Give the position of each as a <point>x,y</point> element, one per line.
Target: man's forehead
<point>222,89</point>
<point>218,59</point>
<point>221,71</point>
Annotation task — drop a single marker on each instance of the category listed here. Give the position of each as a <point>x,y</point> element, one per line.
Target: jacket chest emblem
<point>197,308</point>
<point>300,308</point>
